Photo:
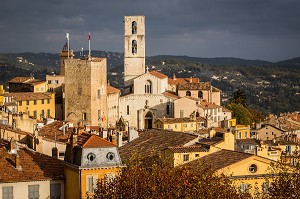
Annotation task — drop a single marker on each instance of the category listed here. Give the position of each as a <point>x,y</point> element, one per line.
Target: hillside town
<point>61,135</point>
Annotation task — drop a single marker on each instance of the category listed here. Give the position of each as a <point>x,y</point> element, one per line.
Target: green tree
<point>242,114</point>
<point>238,97</point>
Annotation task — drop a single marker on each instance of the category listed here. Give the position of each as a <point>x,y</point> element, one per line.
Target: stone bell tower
<point>134,49</point>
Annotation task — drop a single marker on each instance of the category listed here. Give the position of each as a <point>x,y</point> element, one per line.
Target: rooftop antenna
<point>89,37</point>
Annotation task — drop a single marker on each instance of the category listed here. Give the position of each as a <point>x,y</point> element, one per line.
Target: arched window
<point>200,94</point>
<point>148,87</point>
<point>134,46</point>
<point>134,27</point>
<point>188,93</point>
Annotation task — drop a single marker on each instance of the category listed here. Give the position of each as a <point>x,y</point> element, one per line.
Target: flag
<point>67,35</point>
<point>89,37</point>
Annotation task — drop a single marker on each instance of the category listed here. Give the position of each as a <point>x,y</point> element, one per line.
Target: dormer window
<point>110,156</point>
<point>91,157</point>
<point>134,27</point>
<point>188,93</point>
<point>200,94</point>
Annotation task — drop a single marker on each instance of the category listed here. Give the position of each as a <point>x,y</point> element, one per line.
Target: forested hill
<point>269,87</point>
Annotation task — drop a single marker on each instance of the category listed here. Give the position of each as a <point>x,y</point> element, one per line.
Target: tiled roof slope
<point>188,149</point>
<point>9,128</point>
<point>152,141</point>
<point>158,74</point>
<point>34,166</point>
<point>180,120</point>
<point>19,79</point>
<point>195,86</point>
<point>111,89</point>
<point>218,160</point>
<point>52,131</point>
<point>183,80</point>
<point>27,96</point>
<point>170,94</point>
<point>210,141</point>
<point>88,140</point>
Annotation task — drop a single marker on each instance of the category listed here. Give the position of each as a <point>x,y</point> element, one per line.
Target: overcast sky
<point>251,29</point>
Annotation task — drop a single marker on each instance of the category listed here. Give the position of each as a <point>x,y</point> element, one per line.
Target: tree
<point>159,180</point>
<point>239,97</point>
<point>242,114</point>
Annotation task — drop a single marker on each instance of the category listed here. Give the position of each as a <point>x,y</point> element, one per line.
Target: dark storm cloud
<point>255,29</point>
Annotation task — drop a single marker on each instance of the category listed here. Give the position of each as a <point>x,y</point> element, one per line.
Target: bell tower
<point>134,48</point>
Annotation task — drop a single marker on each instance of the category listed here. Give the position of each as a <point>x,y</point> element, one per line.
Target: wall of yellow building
<point>2,91</point>
<point>30,107</point>
<point>228,142</point>
<point>244,130</point>
<point>72,182</point>
<point>100,173</point>
<point>40,88</point>
<point>180,126</point>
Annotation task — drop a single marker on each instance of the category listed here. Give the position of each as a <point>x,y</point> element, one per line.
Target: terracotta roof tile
<point>219,159</point>
<point>19,79</point>
<point>187,149</point>
<point>180,120</point>
<point>151,142</point>
<point>9,128</point>
<point>158,74</point>
<point>34,166</point>
<point>111,89</point>
<point>206,105</point>
<point>210,141</point>
<point>195,86</point>
<point>52,131</point>
<point>170,94</point>
<point>183,80</point>
<point>88,140</point>
<point>27,96</point>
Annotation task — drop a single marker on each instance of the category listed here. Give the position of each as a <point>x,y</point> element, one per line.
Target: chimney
<point>114,139</point>
<point>54,152</point>
<point>174,77</point>
<point>17,162</point>
<point>119,138</point>
<point>191,79</point>
<point>63,128</point>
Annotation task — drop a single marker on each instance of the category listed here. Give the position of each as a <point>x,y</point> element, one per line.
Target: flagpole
<point>68,39</point>
<point>89,45</point>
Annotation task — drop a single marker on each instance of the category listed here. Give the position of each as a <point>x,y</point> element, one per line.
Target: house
<point>174,81</point>
<point>150,143</point>
<point>26,84</point>
<point>269,132</point>
<point>89,158</point>
<point>243,168</point>
<point>180,124</point>
<point>27,173</point>
<point>37,105</point>
<point>241,131</point>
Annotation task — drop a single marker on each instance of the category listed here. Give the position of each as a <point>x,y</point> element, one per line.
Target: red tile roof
<point>195,86</point>
<point>187,149</point>
<point>170,94</point>
<point>34,166</point>
<point>158,74</point>
<point>52,131</point>
<point>183,80</point>
<point>111,89</point>
<point>88,140</point>
<point>27,96</point>
<point>19,79</point>
<point>179,120</point>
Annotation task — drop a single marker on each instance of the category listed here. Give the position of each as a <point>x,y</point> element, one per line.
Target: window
<point>43,113</point>
<point>61,154</point>
<point>148,87</point>
<point>27,102</point>
<point>169,126</point>
<point>253,168</point>
<point>48,101</point>
<point>127,110</point>
<point>83,116</point>
<point>188,93</point>
<point>34,102</point>
<point>91,184</point>
<point>168,109</point>
<point>55,191</point>
<point>186,157</point>
<point>196,155</point>
<point>240,135</point>
<point>34,114</point>
<point>134,27</point>
<point>33,192</point>
<point>175,126</point>
<point>192,124</point>
<point>181,113</point>
<point>48,112</point>
<point>37,89</point>
<point>245,134</point>
<point>185,124</point>
<point>200,94</point>
<point>134,46</point>
<point>7,192</point>
<point>43,101</point>
<point>288,149</point>
<point>244,187</point>
<point>98,93</point>
<point>20,103</point>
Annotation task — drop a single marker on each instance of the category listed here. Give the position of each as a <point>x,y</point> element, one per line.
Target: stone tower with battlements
<point>64,54</point>
<point>85,91</point>
<point>134,49</point>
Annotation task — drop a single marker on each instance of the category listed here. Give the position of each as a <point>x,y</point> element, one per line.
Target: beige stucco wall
<point>268,133</point>
<point>185,104</point>
<point>47,145</point>
<point>20,189</point>
<point>112,108</point>
<point>134,64</point>
<point>158,85</point>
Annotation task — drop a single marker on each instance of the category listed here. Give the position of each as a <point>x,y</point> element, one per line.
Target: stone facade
<point>85,91</point>
<point>134,48</point>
